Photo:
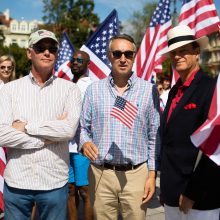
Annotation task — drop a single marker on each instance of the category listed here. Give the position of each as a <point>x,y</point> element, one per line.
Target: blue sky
<point>32,9</point>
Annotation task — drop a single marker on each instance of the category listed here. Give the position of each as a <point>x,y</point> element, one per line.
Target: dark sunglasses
<point>78,60</point>
<point>41,49</point>
<point>129,54</point>
<point>10,68</point>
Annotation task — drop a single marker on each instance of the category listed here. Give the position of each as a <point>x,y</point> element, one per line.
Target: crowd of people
<point>105,141</point>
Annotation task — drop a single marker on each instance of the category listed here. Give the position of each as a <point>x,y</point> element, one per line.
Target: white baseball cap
<point>39,35</point>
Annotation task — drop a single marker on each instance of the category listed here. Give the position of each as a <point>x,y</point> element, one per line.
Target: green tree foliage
<point>140,21</point>
<point>74,17</point>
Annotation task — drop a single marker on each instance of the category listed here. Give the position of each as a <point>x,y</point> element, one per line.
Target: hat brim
<point>202,41</point>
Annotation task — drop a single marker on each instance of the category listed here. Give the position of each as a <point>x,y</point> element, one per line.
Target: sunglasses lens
<point>117,54</point>
<point>39,49</point>
<point>6,67</point>
<point>78,60</point>
<point>128,54</point>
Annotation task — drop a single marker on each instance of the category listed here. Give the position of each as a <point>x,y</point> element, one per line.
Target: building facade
<point>211,55</point>
<point>16,32</point>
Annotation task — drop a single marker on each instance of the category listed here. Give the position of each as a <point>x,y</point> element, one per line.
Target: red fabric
<point>181,88</point>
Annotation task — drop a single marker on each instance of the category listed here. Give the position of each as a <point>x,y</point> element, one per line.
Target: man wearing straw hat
<point>188,191</point>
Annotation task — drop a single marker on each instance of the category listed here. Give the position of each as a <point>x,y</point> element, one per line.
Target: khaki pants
<point>114,191</point>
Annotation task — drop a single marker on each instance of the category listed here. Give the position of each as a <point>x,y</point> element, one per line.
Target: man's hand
<point>150,185</point>
<point>90,150</point>
<point>185,204</point>
<point>19,125</point>
<point>63,116</point>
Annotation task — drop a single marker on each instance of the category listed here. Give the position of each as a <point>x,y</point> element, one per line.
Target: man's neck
<point>186,74</point>
<point>121,83</point>
<point>41,78</point>
<point>77,77</point>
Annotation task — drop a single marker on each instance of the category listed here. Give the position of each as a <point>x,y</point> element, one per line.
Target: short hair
<point>9,58</point>
<point>124,37</point>
<point>195,45</point>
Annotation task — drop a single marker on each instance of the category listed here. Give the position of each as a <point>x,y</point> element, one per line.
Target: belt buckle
<point>113,167</point>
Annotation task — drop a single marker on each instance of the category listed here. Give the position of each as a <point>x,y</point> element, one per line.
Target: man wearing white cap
<point>40,115</point>
<point>187,191</point>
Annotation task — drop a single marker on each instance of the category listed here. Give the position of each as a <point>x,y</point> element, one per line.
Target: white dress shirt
<point>82,83</point>
<point>32,164</point>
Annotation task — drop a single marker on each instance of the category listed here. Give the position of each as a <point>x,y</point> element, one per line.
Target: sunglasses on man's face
<point>78,60</point>
<point>41,49</point>
<point>129,54</point>
<point>9,68</point>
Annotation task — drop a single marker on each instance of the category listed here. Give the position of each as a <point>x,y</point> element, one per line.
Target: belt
<point>121,167</point>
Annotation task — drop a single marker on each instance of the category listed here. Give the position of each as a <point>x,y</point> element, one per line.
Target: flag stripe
<point>207,135</point>
<point>148,59</point>
<point>96,46</point>
<point>62,67</point>
<point>124,111</point>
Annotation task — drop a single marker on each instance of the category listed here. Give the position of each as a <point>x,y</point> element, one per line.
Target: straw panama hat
<point>182,35</point>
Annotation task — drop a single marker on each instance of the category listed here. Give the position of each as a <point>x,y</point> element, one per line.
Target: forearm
<point>10,137</point>
<point>57,130</point>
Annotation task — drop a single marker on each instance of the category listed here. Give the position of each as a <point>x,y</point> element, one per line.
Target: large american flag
<point>148,59</point>
<point>124,111</point>
<point>200,15</point>
<point>2,169</point>
<point>207,137</point>
<point>99,66</point>
<point>62,66</point>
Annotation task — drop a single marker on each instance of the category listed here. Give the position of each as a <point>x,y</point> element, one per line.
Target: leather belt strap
<point>121,167</point>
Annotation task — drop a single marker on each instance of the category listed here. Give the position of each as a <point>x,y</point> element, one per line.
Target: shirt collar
<point>50,80</point>
<point>188,81</point>
<point>131,80</point>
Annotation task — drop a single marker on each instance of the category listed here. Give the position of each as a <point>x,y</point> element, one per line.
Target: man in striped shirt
<point>119,121</point>
<point>39,114</point>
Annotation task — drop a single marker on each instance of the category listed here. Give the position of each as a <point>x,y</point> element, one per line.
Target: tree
<point>140,21</point>
<point>75,17</point>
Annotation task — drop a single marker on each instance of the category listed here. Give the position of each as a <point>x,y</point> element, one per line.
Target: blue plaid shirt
<point>117,143</point>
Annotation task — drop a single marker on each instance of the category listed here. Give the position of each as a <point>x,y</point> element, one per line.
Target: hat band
<point>181,38</point>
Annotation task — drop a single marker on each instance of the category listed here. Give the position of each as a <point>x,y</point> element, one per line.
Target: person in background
<point>79,164</point>
<point>189,185</point>
<point>165,80</point>
<point>160,91</point>
<point>120,135</point>
<point>40,115</point>
<point>7,69</point>
<point>7,74</point>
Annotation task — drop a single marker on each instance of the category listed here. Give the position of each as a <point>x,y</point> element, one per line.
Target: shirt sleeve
<point>153,131</point>
<point>9,136</point>
<point>86,119</point>
<point>60,130</point>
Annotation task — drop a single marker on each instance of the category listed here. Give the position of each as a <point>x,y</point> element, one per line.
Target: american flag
<point>62,66</point>
<point>99,66</point>
<point>148,59</point>
<point>124,111</point>
<point>207,136</point>
<point>2,169</point>
<point>200,15</point>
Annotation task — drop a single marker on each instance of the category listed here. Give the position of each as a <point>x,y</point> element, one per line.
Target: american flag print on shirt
<point>124,111</point>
